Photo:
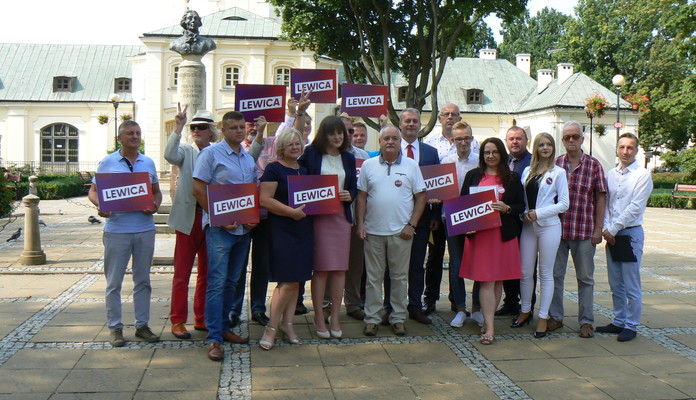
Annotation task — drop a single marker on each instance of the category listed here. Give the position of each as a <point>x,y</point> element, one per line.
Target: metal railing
<point>53,168</point>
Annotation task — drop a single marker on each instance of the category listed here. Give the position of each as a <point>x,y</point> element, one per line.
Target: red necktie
<point>409,152</point>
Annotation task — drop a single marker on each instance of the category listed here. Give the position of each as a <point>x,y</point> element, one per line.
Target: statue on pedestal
<point>191,43</point>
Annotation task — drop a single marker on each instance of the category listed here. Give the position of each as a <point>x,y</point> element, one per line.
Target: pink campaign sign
<point>233,203</point>
<point>472,212</point>
<point>440,181</point>
<point>318,193</point>
<point>257,100</point>
<point>321,82</point>
<point>129,191</point>
<point>364,100</point>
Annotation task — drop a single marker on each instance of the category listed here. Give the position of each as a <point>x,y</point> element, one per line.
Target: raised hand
<point>180,118</point>
<point>304,102</point>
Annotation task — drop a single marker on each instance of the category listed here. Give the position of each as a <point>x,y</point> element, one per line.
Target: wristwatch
<point>411,225</point>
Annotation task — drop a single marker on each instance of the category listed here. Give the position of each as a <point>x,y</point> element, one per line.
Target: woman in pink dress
<point>329,155</point>
<point>492,256</point>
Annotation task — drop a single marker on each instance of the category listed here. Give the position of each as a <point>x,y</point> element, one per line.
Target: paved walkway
<point>53,339</point>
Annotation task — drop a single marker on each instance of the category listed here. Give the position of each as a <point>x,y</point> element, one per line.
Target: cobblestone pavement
<point>54,342</point>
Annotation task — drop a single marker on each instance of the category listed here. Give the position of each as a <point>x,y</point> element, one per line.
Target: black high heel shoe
<point>518,324</point>
<point>541,334</point>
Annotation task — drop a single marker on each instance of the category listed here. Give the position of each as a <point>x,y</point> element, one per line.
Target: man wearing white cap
<point>185,218</point>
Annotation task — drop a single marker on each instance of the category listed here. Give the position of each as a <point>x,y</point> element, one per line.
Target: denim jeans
<point>624,280</point>
<point>455,245</point>
<point>260,258</point>
<point>226,259</point>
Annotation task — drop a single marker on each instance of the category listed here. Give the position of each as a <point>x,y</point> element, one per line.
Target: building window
<point>474,96</point>
<point>122,85</point>
<point>63,83</point>
<point>231,77</point>
<point>282,76</point>
<point>175,75</point>
<point>59,143</point>
<point>401,94</point>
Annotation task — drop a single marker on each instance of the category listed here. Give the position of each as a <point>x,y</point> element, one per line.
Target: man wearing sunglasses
<point>185,218</point>
<point>581,228</point>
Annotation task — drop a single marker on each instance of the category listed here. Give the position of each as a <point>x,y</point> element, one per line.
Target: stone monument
<point>192,47</point>
<point>32,254</point>
<point>191,78</point>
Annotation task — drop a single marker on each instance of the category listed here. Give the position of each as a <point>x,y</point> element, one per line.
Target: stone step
<point>161,218</point>
<point>165,208</point>
<point>164,228</point>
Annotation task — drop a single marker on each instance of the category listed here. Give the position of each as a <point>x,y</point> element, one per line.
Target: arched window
<point>59,143</point>
<point>282,76</point>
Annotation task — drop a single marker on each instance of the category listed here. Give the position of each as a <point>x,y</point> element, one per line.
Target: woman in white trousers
<point>546,196</point>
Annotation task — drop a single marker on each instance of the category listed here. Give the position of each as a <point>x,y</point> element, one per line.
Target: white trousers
<point>542,242</point>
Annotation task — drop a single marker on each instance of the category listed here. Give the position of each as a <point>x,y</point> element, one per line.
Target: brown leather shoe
<point>399,329</point>
<point>179,330</point>
<point>230,336</point>
<point>586,331</point>
<point>420,317</point>
<point>200,326</point>
<point>553,324</point>
<point>215,351</point>
<point>357,314</point>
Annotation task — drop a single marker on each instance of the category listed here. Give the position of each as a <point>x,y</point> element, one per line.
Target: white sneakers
<point>458,320</point>
<point>478,317</point>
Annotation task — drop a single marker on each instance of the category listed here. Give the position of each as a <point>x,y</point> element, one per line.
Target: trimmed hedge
<point>53,187</point>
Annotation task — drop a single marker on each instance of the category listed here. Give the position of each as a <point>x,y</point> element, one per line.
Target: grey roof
<point>506,89</point>
<point>571,93</point>
<point>504,85</point>
<point>27,71</point>
<point>219,25</point>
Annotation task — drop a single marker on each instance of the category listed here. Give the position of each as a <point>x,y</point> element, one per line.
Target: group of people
<point>372,255</point>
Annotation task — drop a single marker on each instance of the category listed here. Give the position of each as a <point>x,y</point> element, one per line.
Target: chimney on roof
<point>524,63</point>
<point>488,54</point>
<point>565,70</point>
<point>544,77</point>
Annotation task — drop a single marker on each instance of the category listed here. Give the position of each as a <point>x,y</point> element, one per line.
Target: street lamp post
<point>618,81</point>
<point>591,116</point>
<point>115,99</point>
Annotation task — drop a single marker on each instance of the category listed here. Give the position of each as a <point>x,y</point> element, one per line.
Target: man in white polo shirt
<point>391,199</point>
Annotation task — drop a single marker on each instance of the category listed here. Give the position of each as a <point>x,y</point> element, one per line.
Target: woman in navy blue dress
<point>292,237</point>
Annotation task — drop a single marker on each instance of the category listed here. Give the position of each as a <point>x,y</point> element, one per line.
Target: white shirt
<point>390,193</point>
<point>628,190</point>
<point>463,166</point>
<point>444,147</point>
<point>416,149</point>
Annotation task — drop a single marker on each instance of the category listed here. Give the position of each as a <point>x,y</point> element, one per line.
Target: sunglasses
<point>574,137</point>
<point>199,127</point>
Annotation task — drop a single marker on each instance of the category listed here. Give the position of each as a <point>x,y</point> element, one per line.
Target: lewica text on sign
<point>471,213</point>
<point>231,205</point>
<point>359,101</point>
<point>125,192</point>
<point>314,86</point>
<point>260,103</point>
<point>312,195</point>
<point>439,181</point>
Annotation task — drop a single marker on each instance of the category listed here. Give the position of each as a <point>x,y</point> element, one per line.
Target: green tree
<point>376,38</point>
<point>477,38</point>
<point>538,36</point>
<point>651,43</point>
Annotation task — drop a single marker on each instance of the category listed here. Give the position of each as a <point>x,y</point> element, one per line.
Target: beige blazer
<point>184,206</point>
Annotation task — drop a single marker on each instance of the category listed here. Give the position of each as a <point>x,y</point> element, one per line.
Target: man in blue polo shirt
<point>128,234</point>
<point>225,162</point>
